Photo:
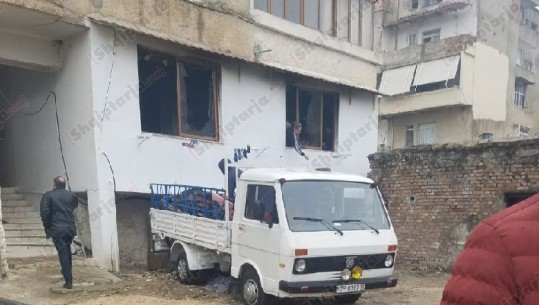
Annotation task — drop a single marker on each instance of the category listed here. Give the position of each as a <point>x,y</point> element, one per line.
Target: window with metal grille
<point>415,4</point>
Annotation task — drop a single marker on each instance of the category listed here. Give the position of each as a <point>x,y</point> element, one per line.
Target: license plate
<point>350,288</point>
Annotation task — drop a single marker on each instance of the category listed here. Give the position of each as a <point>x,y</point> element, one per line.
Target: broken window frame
<point>216,95</point>
<point>322,93</point>
<point>216,84</point>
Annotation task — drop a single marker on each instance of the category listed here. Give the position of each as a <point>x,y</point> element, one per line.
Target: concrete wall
<point>453,125</point>
<point>134,232</point>
<point>437,196</point>
<point>490,83</point>
<point>201,26</point>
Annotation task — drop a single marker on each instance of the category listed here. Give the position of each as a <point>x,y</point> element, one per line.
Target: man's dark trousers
<point>63,246</point>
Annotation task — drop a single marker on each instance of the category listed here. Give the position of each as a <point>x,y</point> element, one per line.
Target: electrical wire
<point>60,138</point>
<point>111,170</point>
<point>110,79</point>
<point>43,105</point>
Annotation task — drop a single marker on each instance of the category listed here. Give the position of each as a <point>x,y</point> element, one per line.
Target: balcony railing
<point>525,74</point>
<point>424,101</point>
<point>428,51</point>
<point>410,15</point>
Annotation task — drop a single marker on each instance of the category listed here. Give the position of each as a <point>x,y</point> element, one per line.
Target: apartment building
<point>119,94</point>
<point>457,71</point>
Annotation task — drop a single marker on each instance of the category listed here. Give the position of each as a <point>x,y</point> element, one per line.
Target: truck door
<point>258,233</point>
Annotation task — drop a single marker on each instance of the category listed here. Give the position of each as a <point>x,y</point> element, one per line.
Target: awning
<point>435,71</point>
<point>397,81</point>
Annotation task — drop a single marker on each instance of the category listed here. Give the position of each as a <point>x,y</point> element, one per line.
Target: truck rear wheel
<point>347,299</point>
<point>251,290</point>
<point>186,275</point>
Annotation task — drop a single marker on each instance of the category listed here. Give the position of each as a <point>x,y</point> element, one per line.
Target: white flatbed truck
<point>293,234</point>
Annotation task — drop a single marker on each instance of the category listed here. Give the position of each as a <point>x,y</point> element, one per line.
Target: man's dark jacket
<point>57,214</point>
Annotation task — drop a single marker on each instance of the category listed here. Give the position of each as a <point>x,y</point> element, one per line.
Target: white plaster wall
<point>23,51</point>
<point>140,158</point>
<point>37,155</point>
<point>491,83</point>
<point>462,22</point>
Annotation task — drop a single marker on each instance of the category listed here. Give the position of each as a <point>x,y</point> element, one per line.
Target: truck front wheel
<point>251,290</point>
<point>347,299</point>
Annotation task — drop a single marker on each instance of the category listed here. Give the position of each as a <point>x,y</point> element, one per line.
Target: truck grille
<point>338,263</point>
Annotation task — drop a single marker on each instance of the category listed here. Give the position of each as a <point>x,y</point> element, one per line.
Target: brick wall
<point>438,195</point>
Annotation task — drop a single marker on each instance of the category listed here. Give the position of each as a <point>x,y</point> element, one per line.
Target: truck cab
<point>298,234</point>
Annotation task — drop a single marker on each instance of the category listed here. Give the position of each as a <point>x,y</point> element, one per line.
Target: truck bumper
<point>329,287</point>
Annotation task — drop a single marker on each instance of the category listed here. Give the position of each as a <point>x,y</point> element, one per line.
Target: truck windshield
<point>347,205</point>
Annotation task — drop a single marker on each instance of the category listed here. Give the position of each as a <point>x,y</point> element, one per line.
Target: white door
<point>258,233</point>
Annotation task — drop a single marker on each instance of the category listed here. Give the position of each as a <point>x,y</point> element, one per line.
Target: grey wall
<point>133,223</point>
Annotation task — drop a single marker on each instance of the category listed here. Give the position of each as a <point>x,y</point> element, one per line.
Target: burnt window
<point>157,92</point>
<point>178,97</point>
<point>197,87</point>
<point>316,111</point>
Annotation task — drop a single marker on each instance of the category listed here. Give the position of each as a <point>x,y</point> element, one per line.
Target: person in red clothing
<point>500,261</point>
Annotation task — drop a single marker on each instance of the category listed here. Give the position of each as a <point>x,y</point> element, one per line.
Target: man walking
<point>57,207</point>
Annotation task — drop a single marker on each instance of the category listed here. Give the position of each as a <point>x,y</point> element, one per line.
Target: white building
<point>118,94</point>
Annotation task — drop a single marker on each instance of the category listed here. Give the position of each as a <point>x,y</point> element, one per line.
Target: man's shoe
<point>68,286</point>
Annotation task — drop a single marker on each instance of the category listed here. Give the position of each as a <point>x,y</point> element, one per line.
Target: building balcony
<point>411,15</point>
<point>528,35</point>
<point>525,75</point>
<point>410,103</point>
<point>428,51</point>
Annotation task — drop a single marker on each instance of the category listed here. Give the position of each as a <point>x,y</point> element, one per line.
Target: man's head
<point>59,182</point>
<point>297,128</point>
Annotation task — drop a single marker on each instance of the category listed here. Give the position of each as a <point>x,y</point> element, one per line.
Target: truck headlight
<point>300,265</point>
<point>389,261</point>
<point>345,275</point>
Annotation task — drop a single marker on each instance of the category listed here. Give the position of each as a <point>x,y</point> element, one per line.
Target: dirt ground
<point>39,281</point>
